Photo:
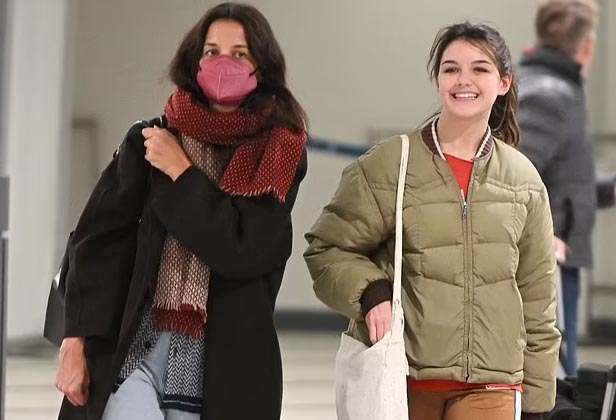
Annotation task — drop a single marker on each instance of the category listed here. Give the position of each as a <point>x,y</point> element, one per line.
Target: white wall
<point>358,67</point>
<point>603,79</point>
<point>36,126</point>
<point>4,30</point>
<point>354,64</point>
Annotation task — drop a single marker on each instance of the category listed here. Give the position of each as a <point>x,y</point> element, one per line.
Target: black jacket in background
<point>114,258</point>
<point>555,137</point>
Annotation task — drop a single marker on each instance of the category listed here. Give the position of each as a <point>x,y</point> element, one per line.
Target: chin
<point>465,111</point>
<point>464,114</point>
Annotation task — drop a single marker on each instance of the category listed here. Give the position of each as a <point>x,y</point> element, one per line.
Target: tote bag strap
<point>397,318</point>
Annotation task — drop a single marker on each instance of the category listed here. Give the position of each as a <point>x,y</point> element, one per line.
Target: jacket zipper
<point>465,202</point>
<point>468,274</point>
<point>468,277</point>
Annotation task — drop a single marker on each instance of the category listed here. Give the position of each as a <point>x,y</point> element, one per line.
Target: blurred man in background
<point>555,137</point>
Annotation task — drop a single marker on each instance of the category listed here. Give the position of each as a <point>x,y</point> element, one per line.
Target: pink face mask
<point>226,80</point>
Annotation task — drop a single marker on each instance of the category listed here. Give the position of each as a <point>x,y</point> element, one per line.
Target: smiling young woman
<point>477,89</point>
<point>468,84</point>
<point>478,265</point>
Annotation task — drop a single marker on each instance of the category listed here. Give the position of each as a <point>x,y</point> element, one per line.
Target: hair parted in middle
<point>271,92</point>
<point>503,120</point>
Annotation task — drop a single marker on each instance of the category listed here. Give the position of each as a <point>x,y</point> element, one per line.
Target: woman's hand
<point>73,379</point>
<point>164,152</point>
<point>378,320</point>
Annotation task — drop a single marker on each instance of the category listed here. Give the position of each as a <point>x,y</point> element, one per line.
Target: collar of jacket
<point>555,60</point>
<point>431,143</point>
<point>441,164</point>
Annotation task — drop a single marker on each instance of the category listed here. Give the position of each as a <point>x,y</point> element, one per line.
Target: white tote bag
<point>371,381</point>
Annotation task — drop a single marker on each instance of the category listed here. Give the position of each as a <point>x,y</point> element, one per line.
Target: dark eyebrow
<point>474,62</point>
<point>213,44</point>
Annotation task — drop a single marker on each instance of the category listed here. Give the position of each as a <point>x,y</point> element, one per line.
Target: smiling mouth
<point>465,95</point>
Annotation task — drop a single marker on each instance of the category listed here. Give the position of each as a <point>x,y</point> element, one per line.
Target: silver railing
<point>4,224</point>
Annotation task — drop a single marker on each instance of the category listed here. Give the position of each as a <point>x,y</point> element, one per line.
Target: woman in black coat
<point>178,256</point>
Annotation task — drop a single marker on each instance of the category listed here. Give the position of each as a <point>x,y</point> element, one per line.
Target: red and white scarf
<point>260,162</point>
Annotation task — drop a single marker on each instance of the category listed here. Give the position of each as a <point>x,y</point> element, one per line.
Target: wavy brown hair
<point>503,120</point>
<point>271,93</point>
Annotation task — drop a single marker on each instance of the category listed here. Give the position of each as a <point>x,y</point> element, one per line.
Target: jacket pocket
<point>498,332</point>
<point>434,324</point>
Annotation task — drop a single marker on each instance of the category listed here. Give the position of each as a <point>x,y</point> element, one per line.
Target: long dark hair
<point>503,121</point>
<point>271,92</point>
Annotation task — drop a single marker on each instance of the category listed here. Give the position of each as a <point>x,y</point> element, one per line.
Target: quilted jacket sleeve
<point>536,283</point>
<point>349,230</point>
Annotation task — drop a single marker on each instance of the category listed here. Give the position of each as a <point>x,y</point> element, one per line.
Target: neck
<point>461,137</point>
<point>584,54</point>
<point>584,66</point>
<point>223,108</point>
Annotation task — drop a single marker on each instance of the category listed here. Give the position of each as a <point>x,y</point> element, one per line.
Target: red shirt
<point>462,170</point>
<point>443,385</point>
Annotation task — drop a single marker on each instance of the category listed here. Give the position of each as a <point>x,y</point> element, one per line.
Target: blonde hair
<point>564,24</point>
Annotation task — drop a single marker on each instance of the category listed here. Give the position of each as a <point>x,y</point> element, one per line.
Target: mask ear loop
<point>252,73</point>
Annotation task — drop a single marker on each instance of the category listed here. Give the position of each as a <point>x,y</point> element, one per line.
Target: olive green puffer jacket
<point>478,277</point>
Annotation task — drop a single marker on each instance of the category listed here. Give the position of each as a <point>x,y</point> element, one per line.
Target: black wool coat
<point>114,258</point>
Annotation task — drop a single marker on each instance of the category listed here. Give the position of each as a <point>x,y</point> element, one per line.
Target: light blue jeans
<point>140,396</point>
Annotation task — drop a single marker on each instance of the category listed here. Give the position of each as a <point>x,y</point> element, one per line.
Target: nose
<point>463,79</point>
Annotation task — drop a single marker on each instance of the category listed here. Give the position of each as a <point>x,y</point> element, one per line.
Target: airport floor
<point>308,378</point>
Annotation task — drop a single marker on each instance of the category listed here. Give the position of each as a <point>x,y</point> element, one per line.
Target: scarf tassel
<point>188,321</point>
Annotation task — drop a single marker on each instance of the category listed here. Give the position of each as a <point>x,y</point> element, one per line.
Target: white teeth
<point>465,95</point>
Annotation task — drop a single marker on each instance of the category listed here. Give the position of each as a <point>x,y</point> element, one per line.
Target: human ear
<point>587,53</point>
<point>506,81</point>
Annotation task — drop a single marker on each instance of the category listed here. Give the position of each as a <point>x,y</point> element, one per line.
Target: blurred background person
<point>556,138</point>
